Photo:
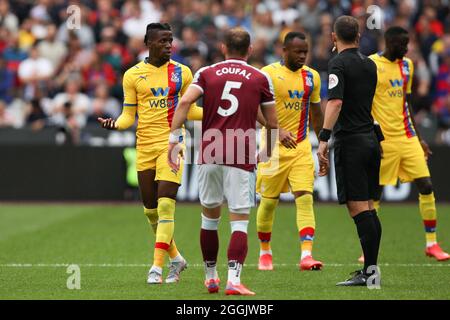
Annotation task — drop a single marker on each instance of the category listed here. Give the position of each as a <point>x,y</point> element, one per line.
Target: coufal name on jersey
<point>233,70</point>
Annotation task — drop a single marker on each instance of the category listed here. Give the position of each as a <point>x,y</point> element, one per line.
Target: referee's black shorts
<point>357,162</point>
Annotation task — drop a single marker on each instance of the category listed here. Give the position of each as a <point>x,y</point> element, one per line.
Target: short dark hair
<point>292,35</point>
<point>152,27</point>
<point>393,32</point>
<point>346,29</point>
<point>237,41</point>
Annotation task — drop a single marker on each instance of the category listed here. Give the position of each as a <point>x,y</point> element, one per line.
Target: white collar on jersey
<point>236,61</point>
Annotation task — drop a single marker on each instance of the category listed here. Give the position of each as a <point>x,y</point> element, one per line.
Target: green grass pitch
<point>112,244</point>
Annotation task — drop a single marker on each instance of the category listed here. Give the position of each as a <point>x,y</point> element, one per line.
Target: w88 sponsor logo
<point>162,103</point>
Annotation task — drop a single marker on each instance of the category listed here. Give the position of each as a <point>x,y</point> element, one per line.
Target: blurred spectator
<point>321,51</point>
<point>258,55</point>
<point>97,71</point>
<point>112,52</point>
<point>40,10</point>
<point>263,26</point>
<point>40,19</point>
<point>50,48</point>
<point>59,112</point>
<point>405,14</point>
<point>84,33</point>
<point>232,13</point>
<point>309,15</point>
<point>421,100</point>
<point>356,7</point>
<point>4,33</point>
<point>337,8</point>
<point>101,17</point>
<point>196,62</point>
<point>6,82</point>
<point>285,14</point>
<point>191,45</point>
<point>26,37</point>
<point>426,35</point>
<point>75,61</point>
<point>69,127</point>
<point>98,111</point>
<point>443,88</point>
<point>199,17</point>
<point>94,57</point>
<point>137,14</point>
<point>174,16</point>
<point>105,102</point>
<point>428,22</point>
<point>6,118</point>
<point>388,11</point>
<point>34,73</point>
<point>13,55</point>
<point>35,116</point>
<point>7,18</point>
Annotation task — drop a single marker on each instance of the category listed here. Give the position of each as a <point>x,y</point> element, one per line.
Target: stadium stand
<point>44,64</point>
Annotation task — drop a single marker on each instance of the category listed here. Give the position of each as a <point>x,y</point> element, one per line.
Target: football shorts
<point>295,171</point>
<point>156,159</point>
<point>357,164</point>
<point>220,182</point>
<point>402,159</point>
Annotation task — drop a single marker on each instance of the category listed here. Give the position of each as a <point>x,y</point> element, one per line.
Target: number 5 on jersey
<point>227,95</point>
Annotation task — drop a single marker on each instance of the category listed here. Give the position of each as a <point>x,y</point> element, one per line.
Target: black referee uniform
<point>357,156</point>
<point>353,79</point>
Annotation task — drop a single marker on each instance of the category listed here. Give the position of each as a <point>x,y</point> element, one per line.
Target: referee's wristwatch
<point>324,135</point>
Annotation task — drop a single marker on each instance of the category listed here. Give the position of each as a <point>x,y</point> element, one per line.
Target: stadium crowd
<point>54,75</point>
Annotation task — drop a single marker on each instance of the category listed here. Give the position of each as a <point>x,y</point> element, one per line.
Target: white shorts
<point>219,182</point>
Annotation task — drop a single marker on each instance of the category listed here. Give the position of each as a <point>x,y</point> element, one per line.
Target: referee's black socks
<point>369,232</point>
<point>378,226</point>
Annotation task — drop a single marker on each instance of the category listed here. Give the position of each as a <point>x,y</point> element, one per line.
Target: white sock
<point>156,269</point>
<point>263,252</point>
<point>209,224</point>
<point>431,243</point>
<point>239,225</point>
<point>211,270</point>
<point>178,258</point>
<point>234,272</point>
<point>305,253</point>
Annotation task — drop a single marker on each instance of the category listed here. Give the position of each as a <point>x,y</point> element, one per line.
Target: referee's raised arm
<point>352,82</point>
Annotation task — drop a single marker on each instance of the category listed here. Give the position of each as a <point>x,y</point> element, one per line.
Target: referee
<point>351,87</point>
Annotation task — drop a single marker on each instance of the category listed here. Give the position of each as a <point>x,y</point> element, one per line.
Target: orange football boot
<point>308,263</point>
<point>436,252</point>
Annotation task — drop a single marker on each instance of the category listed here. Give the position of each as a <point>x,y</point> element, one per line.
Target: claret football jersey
<point>232,92</point>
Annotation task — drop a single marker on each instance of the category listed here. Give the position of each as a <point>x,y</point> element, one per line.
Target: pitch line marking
<point>250,265</point>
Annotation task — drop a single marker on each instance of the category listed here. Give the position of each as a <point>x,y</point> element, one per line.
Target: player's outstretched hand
<point>287,139</point>
<point>109,123</point>
<point>322,154</point>
<point>174,156</point>
<point>426,148</point>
